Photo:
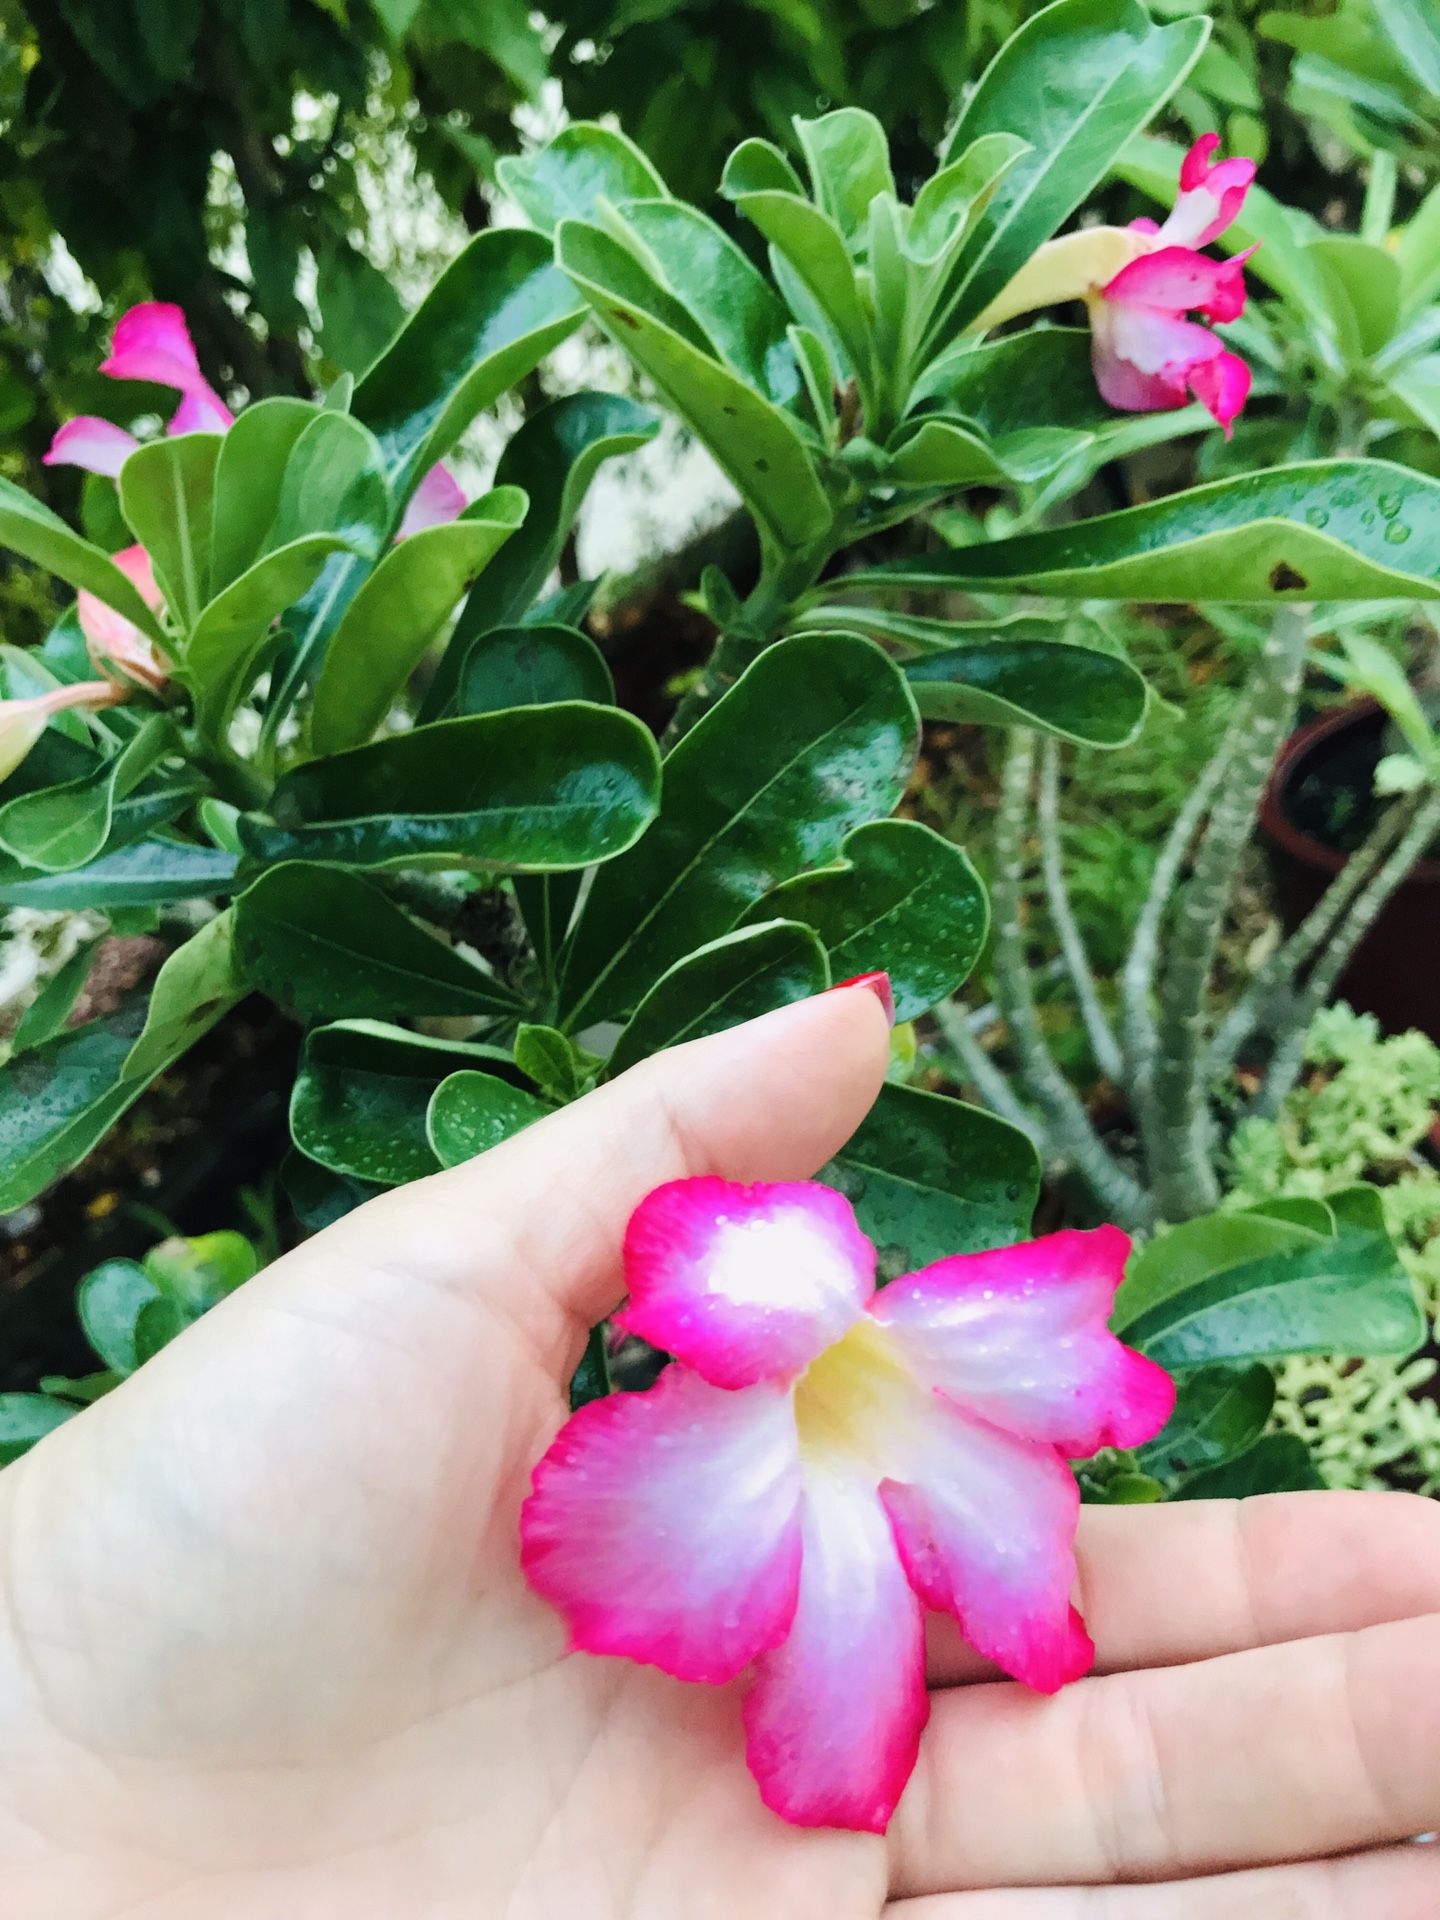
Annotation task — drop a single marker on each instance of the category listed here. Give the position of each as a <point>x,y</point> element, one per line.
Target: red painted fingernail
<point>878,984</point>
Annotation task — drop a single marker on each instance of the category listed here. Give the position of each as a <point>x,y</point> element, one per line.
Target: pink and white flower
<point>152,343</point>
<point>822,1461</point>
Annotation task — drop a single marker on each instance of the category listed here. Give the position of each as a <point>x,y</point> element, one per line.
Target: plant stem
<point>1069,1123</point>
<point>1365,910</point>
<point>1277,978</point>
<point>1137,979</point>
<point>1180,1138</point>
<point>1072,942</point>
<point>981,1071</point>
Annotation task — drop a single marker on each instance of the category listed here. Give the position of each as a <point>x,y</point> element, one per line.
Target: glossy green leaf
<point>552,458</point>
<point>59,1099</point>
<point>900,900</point>
<point>335,482</point>
<point>326,943</point>
<point>1197,1251</point>
<point>1346,1295</point>
<point>942,455</point>
<point>953,198</point>
<point>26,1418</point>
<point>60,828</point>
<point>49,1011</point>
<point>816,737</point>
<point>197,1273</point>
<point>153,872</point>
<point>753,441</point>
<point>229,643</point>
<point>1322,530</point>
<point>1091,695</point>
<point>29,529</point>
<point>737,977</point>
<point>110,1300</point>
<point>196,985</point>
<point>541,788</point>
<point>530,667</point>
<point>1219,1412</point>
<point>558,1067</point>
<point>248,477</point>
<point>1076,81</point>
<point>471,1112</point>
<point>583,165</point>
<point>494,313</point>
<point>360,1097</point>
<point>848,157</point>
<point>398,612</point>
<point>928,1176</point>
<point>1278,1463</point>
<point>166,494</point>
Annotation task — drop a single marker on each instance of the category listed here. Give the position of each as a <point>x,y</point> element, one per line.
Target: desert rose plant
<point>367,787</point>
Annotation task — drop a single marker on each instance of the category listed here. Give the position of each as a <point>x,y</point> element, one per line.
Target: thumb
<point>770,1100</point>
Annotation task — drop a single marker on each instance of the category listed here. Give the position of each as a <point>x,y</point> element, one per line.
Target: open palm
<point>265,1650</point>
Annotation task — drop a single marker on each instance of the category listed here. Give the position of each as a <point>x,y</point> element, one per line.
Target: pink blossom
<point>823,1461</point>
<point>23,721</point>
<point>437,499</point>
<point>116,645</point>
<point>1146,354</point>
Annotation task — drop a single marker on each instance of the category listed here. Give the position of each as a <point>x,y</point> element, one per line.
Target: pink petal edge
<point>99,446</point>
<point>745,1283</point>
<point>665,1525</point>
<point>437,500</point>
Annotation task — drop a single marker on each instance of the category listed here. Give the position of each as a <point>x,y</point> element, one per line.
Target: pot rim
<point>1281,831</point>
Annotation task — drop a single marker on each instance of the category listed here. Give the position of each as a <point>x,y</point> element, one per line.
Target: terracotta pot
<point>1393,973</point>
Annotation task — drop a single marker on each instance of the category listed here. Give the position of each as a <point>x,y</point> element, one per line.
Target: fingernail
<point>878,984</point>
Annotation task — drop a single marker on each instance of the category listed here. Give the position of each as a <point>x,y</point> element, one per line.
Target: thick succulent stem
<point>1101,1034</point>
<point>980,1070</point>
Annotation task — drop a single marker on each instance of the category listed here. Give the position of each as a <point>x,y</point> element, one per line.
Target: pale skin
<point>266,1654</point>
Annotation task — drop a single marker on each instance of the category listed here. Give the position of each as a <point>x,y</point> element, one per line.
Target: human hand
<point>266,1654</point>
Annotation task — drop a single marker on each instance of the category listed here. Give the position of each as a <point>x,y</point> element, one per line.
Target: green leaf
<point>166,494</point>
<point>900,900</point>
<point>737,977</point>
<point>583,165</point>
<point>335,482</point>
<point>1280,1463</point>
<point>540,789</point>
<point>816,737</point>
<point>494,313</point>
<point>111,1299</point>
<point>530,667</point>
<point>26,1418</point>
<point>929,1177</point>
<point>1077,81</point>
<point>326,943</point>
<point>33,531</point>
<point>197,1273</point>
<point>1363,285</point>
<point>48,1012</point>
<point>952,199</point>
<point>1219,1412</point>
<point>848,158</point>
<point>1087,694</point>
<point>1198,1250</point>
<point>228,645</point>
<point>471,1112</point>
<point>196,985</point>
<point>755,443</point>
<point>1346,1295</point>
<point>360,312</point>
<point>64,827</point>
<point>399,610</point>
<point>552,459</point>
<point>152,872</point>
<point>248,477</point>
<point>361,1094</point>
<point>554,1063</point>
<point>1322,530</point>
<point>941,455</point>
<point>59,1099</point>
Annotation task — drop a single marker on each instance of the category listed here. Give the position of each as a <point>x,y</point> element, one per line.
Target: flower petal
<point>1018,1336</point>
<point>1222,385</point>
<point>201,411</point>
<point>985,1524</point>
<point>111,639</point>
<point>665,1525</point>
<point>1211,194</point>
<point>745,1283</point>
<point>437,499</point>
<point>1177,279</point>
<point>834,1717</point>
<point>152,342</point>
<point>97,445</point>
